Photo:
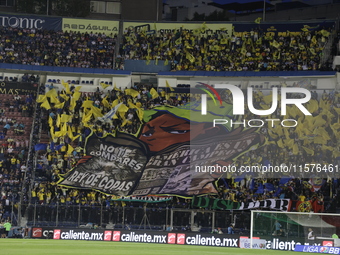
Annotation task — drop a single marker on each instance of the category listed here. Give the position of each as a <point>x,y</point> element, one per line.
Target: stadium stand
<point>190,51</point>
<point>25,122</point>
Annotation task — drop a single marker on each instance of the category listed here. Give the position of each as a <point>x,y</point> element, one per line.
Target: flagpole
<point>264,10</point>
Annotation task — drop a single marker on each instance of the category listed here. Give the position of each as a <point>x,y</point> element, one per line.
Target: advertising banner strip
<point>144,199</point>
<point>30,21</point>
<point>203,239</point>
<point>108,27</point>
<point>220,204</point>
<point>18,88</point>
<point>317,249</point>
<point>180,238</point>
<point>196,28</point>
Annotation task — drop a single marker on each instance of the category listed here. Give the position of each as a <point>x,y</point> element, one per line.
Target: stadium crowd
<point>315,146</point>
<point>310,144</point>
<point>316,141</point>
<point>253,51</point>
<point>50,48</point>
<point>182,49</point>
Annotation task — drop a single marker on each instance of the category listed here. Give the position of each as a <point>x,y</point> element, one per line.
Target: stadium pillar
<point>101,214</point>
<point>213,222</point>
<point>171,218</point>
<point>79,215</point>
<point>251,227</point>
<point>264,10</point>
<point>34,214</point>
<point>57,216</point>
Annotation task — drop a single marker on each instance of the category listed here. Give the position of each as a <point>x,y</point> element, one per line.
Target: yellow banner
<point>203,28</point>
<point>88,25</point>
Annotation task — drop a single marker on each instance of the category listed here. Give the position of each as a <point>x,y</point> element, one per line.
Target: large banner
<point>270,29</point>
<point>30,21</point>
<point>280,29</point>
<point>162,160</point>
<point>220,204</point>
<point>107,27</point>
<point>112,165</point>
<point>143,199</point>
<point>185,238</point>
<point>18,88</point>
<point>203,29</point>
<point>188,238</point>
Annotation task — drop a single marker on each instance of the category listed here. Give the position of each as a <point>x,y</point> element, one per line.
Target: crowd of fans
<point>316,141</point>
<point>50,48</point>
<point>13,150</point>
<point>253,51</point>
<point>277,150</point>
<point>182,49</point>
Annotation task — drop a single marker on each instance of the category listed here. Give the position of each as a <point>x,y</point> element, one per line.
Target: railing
<point>148,217</point>
<point>26,185</point>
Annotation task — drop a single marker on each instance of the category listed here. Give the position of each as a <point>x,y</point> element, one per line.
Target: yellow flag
<point>275,44</point>
<point>52,93</point>
<point>64,128</point>
<point>59,106</point>
<point>46,105</point>
<point>280,143</point>
<point>41,98</point>
<point>64,96</point>
<point>319,121</point>
<point>87,117</point>
<point>69,149</point>
<point>58,134</point>
<point>52,132</point>
<point>190,57</point>
<point>58,120</point>
<point>76,95</point>
<point>268,99</point>
<point>105,102</point>
<point>325,33</point>
<point>87,104</point>
<point>154,93</point>
<point>65,118</point>
<point>295,149</point>
<point>114,103</point>
<point>69,132</point>
<point>103,85</point>
<point>115,87</point>
<point>76,89</point>
<point>131,105</point>
<point>168,86</point>
<point>131,92</point>
<point>50,121</point>
<point>258,20</point>
<point>72,104</point>
<point>66,86</point>
<point>204,27</point>
<point>319,140</point>
<point>140,113</point>
<point>96,111</point>
<point>123,108</point>
<point>54,100</point>
<point>312,105</point>
<point>309,151</point>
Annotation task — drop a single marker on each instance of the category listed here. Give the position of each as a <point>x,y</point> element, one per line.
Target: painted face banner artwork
<point>162,160</point>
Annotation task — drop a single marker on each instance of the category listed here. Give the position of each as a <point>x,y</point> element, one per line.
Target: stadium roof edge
<point>57,69</point>
<point>250,73</point>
